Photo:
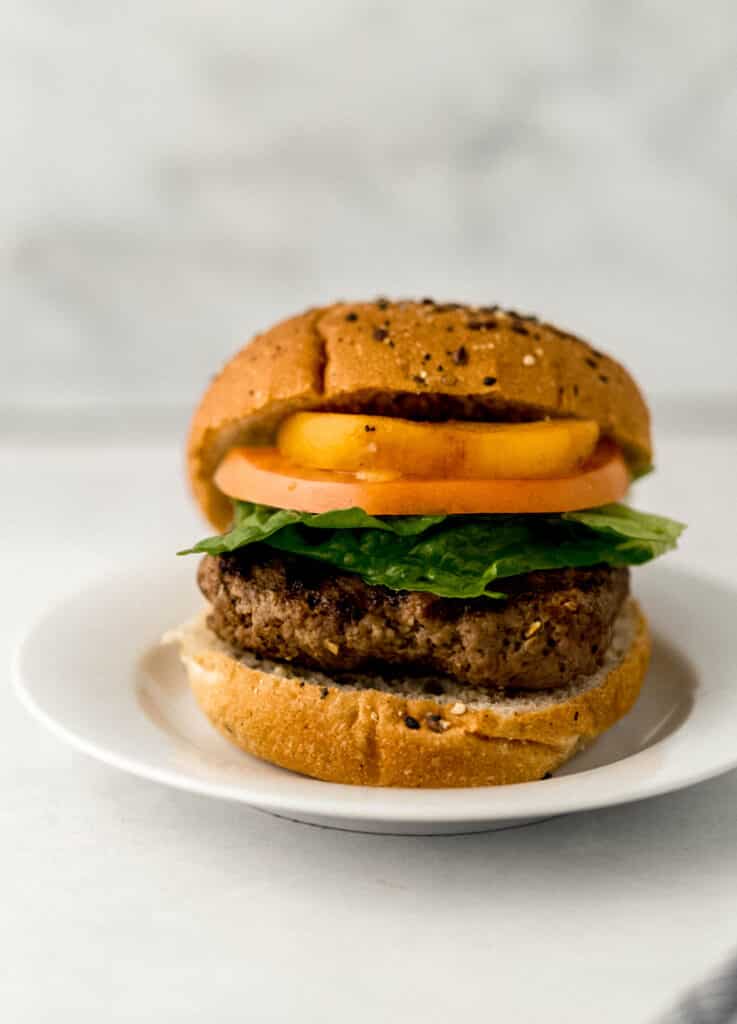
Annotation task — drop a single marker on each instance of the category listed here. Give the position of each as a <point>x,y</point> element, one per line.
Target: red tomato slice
<point>265,476</point>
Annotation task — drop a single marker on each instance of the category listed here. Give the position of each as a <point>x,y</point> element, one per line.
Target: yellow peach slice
<point>383,444</point>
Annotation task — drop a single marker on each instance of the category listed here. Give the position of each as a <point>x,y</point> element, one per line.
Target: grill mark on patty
<point>296,609</point>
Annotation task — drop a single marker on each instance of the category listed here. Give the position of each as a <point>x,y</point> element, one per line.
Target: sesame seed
<point>380,334</point>
<point>331,646</point>
<point>411,722</point>
<point>533,628</point>
<point>528,360</point>
<point>351,317</point>
<point>489,381</point>
<point>458,708</point>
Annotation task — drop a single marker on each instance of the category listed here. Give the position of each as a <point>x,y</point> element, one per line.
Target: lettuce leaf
<point>452,556</point>
<point>252,523</point>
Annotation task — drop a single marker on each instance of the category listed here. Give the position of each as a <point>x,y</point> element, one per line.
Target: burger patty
<point>553,626</point>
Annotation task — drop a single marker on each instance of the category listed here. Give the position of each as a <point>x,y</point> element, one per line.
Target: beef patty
<point>552,627</point>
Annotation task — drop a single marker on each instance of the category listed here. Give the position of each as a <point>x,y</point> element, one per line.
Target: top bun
<point>422,360</point>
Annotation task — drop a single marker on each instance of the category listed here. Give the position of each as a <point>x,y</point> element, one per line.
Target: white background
<point>177,174</point>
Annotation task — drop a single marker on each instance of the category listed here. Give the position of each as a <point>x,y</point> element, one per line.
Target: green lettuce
<point>452,556</point>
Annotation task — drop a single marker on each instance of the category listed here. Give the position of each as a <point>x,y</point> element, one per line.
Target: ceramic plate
<point>92,669</point>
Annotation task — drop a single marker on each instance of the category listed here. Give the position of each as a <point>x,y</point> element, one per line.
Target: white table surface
<point>123,900</point>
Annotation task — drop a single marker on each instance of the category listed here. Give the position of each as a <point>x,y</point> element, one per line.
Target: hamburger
<point>421,572</point>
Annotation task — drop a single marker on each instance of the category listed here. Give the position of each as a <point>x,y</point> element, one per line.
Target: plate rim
<point>322,802</point>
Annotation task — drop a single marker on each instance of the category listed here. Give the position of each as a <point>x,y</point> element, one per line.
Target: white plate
<point>93,671</point>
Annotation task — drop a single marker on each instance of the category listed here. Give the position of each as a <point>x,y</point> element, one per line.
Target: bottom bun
<point>409,731</point>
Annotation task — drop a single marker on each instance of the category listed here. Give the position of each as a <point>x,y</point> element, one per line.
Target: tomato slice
<point>265,476</point>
